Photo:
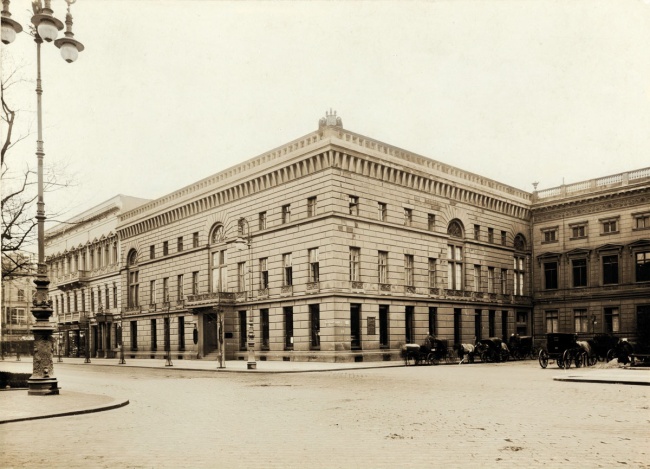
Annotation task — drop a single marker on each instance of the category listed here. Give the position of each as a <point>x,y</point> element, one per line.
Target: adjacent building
<point>15,318</point>
<point>338,247</point>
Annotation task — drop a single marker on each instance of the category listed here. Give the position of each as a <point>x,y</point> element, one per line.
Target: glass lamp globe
<point>8,34</point>
<point>47,30</point>
<point>69,52</point>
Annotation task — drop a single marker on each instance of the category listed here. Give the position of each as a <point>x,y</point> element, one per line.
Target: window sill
<point>550,242</point>
<point>610,233</point>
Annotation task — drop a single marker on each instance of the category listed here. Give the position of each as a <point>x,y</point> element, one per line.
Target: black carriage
<point>431,352</point>
<point>601,344</point>
<point>492,350</point>
<point>556,344</point>
<point>521,346</point>
<point>630,352</point>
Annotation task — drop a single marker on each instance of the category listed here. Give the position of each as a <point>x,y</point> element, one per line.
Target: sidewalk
<point>629,376</point>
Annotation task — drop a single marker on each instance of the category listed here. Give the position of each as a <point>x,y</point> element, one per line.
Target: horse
<point>466,351</point>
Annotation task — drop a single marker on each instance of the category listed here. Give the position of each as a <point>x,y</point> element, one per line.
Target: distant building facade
<point>16,319</point>
<point>83,258</point>
<point>338,247</point>
<point>591,242</point>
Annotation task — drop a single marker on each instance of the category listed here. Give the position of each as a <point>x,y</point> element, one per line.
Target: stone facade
<point>338,247</point>
<point>84,272</point>
<point>592,249</point>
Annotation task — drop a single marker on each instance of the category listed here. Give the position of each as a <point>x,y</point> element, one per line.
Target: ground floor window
<point>491,321</point>
<point>580,320</point>
<point>181,333</point>
<point>314,326</point>
<point>264,324</point>
<point>288,327</point>
<point>504,323</point>
<point>612,320</point>
<point>433,321</point>
<point>409,318</point>
<point>383,326</point>
<point>154,335</point>
<point>552,321</point>
<point>478,316</point>
<point>457,326</point>
<point>355,327</point>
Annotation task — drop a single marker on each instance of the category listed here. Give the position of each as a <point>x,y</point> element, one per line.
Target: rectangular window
<point>195,240</point>
<point>477,232</point>
<point>219,271</point>
<point>134,335</point>
<point>552,324</point>
<point>433,321</point>
<point>550,235</point>
<point>76,304</point>
<point>609,226</point>
<point>264,273</point>
<point>152,292</point>
<point>408,217</point>
<point>490,235</point>
<point>504,238</point>
<point>83,299</point>
<point>579,270</point>
<point>287,270</point>
<point>382,267</point>
<point>266,328</point>
<point>550,275</point>
<point>355,255</point>
<point>408,270</point>
<point>165,248</point>
<point>353,205</point>
<point>241,276</point>
<point>107,295</point>
<point>643,266</point>
<point>288,327</point>
<point>519,276</point>
<point>311,206</point>
<point>314,269</point>
<point>383,326</point>
<point>455,267</point>
<point>491,280</point>
<point>612,320</point>
<point>195,283</point>
<point>286,213</point>
<point>134,290</point>
<point>154,336</point>
<point>432,272</point>
<point>314,327</point>
<point>179,244</point>
<point>491,323</point>
<point>431,222</point>
<point>478,324</point>
<point>580,320</point>
<point>458,326</point>
<point>578,231</point>
<point>114,296</point>
<point>477,278</point>
<point>92,301</point>
<point>181,333</point>
<point>641,221</point>
<point>262,220</point>
<point>610,270</point>
<point>504,323</point>
<point>166,289</point>
<point>504,281</point>
<point>180,290</point>
<point>382,210</point>
<point>152,252</point>
<point>409,318</point>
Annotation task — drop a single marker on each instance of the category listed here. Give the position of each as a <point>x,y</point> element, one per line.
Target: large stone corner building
<point>338,247</point>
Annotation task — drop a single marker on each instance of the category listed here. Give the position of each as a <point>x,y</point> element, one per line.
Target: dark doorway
<point>643,324</point>
<point>288,328</point>
<point>457,325</point>
<point>242,330</point>
<point>504,325</point>
<point>210,333</point>
<point>355,327</point>
<point>314,326</point>
<point>409,319</point>
<point>383,326</point>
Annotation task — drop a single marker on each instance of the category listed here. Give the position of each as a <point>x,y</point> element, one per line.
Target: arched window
<point>217,234</point>
<point>132,260</point>
<point>455,229</point>
<point>520,242</point>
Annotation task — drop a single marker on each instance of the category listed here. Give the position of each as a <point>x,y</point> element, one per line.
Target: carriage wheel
<point>611,354</point>
<point>484,357</point>
<point>566,359</point>
<point>560,362</point>
<point>592,360</point>
<point>432,359</point>
<point>543,358</point>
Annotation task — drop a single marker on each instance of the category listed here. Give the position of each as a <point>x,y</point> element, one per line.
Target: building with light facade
<point>83,258</point>
<point>15,317</point>
<point>338,247</point>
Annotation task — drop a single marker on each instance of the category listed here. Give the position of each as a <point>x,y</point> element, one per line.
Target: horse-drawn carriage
<point>521,346</point>
<point>556,344</point>
<point>630,352</point>
<point>492,350</point>
<point>431,352</point>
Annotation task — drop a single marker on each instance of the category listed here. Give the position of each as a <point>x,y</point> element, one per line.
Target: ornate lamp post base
<point>41,383</point>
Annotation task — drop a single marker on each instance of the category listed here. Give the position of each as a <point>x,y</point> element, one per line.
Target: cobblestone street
<point>503,415</point>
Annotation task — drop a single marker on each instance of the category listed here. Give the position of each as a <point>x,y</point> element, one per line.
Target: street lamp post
<point>46,27</point>
<point>241,243</point>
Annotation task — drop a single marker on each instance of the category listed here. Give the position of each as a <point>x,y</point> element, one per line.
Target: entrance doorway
<point>355,327</point>
<point>210,333</point>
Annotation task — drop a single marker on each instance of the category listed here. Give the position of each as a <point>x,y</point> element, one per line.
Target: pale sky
<point>169,92</point>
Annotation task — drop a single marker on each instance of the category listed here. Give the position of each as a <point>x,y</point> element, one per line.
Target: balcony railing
<point>209,299</point>
<point>73,280</point>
